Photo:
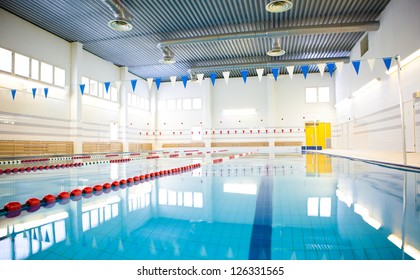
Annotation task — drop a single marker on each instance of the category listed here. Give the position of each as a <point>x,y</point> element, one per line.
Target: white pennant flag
<point>150,83</point>
<point>200,78</point>
<point>371,63</point>
<point>118,84</point>
<point>290,70</point>
<point>321,68</point>
<point>260,73</point>
<point>226,76</point>
<point>173,80</point>
<point>339,66</point>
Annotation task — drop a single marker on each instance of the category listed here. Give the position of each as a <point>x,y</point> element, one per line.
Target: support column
<point>76,58</point>
<point>271,122</point>
<point>207,112</point>
<point>123,108</point>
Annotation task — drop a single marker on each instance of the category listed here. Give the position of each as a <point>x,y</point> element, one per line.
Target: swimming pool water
<point>284,207</point>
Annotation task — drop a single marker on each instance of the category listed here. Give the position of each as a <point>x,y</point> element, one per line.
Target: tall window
<point>22,65</point>
<point>317,94</point>
<point>5,60</point>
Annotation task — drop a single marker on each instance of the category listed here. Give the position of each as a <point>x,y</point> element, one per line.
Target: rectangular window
<point>317,94</point>
<point>101,90</point>
<point>5,60</point>
<point>46,73</point>
<point>323,94</point>
<point>129,99</point>
<point>34,69</point>
<point>142,103</point>
<point>146,104</point>
<point>59,77</point>
<point>311,95</point>
<point>186,104</point>
<point>93,88</point>
<point>171,105</point>
<point>114,94</point>
<point>179,104</point>
<point>21,65</point>
<point>196,103</point>
<point>162,105</point>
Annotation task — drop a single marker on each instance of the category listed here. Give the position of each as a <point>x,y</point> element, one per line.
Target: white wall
<point>372,119</point>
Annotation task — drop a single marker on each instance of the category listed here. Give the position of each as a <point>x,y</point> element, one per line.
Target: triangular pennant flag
<point>200,78</point>
<point>331,67</point>
<point>158,83</point>
<point>35,237</point>
<point>173,80</point>
<point>107,84</point>
<point>184,80</point>
<point>304,69</point>
<point>133,84</point>
<point>47,237</point>
<point>244,74</point>
<point>13,94</point>
<point>290,71</point>
<point>82,88</point>
<point>213,78</point>
<point>275,72</point>
<point>260,73</point>
<point>339,66</point>
<point>34,92</point>
<point>387,61</point>
<point>371,63</point>
<point>150,83</point>
<point>356,65</point>
<point>118,84</point>
<point>226,75</point>
<point>321,68</point>
<point>46,92</point>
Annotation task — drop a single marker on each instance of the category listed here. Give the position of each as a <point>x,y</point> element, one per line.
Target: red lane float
<point>106,188</point>
<point>97,190</point>
<point>136,178</point>
<point>63,197</point>
<point>13,209</point>
<point>130,180</point>
<point>123,182</point>
<point>33,204</point>
<point>115,184</point>
<point>142,177</point>
<point>49,200</point>
<point>76,194</point>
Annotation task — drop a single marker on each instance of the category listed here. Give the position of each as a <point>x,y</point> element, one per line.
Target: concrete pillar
<point>123,100</point>
<point>207,112</point>
<point>76,58</point>
<point>271,110</point>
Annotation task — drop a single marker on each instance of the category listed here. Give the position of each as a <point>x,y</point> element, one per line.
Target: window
<point>5,60</point>
<point>85,81</point>
<point>171,105</point>
<point>114,94</point>
<point>46,73</point>
<point>21,65</point>
<point>179,104</point>
<point>196,103</point>
<point>142,101</point>
<point>93,88</point>
<point>101,90</point>
<point>317,94</point>
<point>162,105</point>
<point>146,104</point>
<point>34,69</point>
<point>59,77</point>
<point>186,104</point>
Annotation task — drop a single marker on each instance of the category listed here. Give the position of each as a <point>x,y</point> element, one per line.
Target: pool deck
<point>413,159</point>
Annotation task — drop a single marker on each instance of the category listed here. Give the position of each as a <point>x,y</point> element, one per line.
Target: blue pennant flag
<point>133,84</point>
<point>46,92</point>
<point>356,65</point>
<point>244,74</point>
<point>47,237</point>
<point>34,92</point>
<point>213,78</point>
<point>304,69</point>
<point>387,61</point>
<point>107,84</point>
<point>184,80</point>
<point>13,94</point>
<point>158,82</point>
<point>82,88</point>
<point>331,67</point>
<point>275,72</point>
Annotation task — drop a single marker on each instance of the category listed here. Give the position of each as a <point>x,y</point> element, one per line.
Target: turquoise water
<point>285,207</point>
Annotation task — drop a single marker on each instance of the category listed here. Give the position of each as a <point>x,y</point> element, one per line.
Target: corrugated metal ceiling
<point>86,21</point>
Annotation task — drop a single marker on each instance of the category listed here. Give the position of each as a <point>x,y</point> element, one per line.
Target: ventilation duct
<point>122,17</point>
<point>168,56</point>
<point>276,49</point>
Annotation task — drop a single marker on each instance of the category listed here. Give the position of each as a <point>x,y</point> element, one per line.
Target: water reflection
<point>276,208</point>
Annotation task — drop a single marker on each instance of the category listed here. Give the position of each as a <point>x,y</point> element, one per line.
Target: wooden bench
<point>184,145</point>
<point>35,148</point>
<point>102,147</point>
<point>138,147</point>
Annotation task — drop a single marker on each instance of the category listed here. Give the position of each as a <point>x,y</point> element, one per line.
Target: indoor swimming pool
<point>282,207</point>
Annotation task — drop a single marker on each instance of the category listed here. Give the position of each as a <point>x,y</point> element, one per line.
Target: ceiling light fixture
<point>276,50</point>
<point>123,18</point>
<point>168,56</point>
<point>279,6</point>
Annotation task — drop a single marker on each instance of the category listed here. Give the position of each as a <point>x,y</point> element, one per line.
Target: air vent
<point>279,6</point>
<point>120,25</point>
<point>276,49</point>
